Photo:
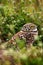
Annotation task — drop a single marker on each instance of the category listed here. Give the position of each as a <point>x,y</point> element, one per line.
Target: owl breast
<point>29,38</point>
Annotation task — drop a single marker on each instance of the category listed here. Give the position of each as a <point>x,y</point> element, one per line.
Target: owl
<point>27,32</point>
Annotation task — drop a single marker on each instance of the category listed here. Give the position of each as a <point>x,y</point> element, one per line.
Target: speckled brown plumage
<point>27,32</point>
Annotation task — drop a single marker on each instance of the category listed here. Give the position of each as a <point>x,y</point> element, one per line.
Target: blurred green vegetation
<point>13,15</point>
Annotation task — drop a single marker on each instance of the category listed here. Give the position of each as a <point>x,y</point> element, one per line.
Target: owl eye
<point>32,27</point>
<point>24,29</point>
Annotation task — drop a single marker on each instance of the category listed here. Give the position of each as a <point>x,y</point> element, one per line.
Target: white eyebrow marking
<point>35,29</point>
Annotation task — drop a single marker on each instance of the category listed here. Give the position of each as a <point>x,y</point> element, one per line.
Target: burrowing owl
<point>27,32</point>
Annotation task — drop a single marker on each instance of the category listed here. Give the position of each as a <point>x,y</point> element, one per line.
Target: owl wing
<point>19,35</point>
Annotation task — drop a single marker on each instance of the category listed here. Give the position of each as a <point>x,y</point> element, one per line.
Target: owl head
<point>30,27</point>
